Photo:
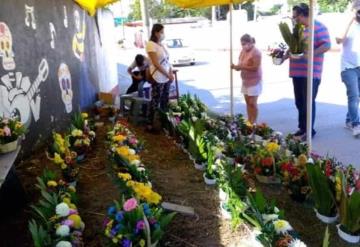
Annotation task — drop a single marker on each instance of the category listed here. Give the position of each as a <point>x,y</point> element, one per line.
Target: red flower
<point>258,170</point>
<point>267,161</point>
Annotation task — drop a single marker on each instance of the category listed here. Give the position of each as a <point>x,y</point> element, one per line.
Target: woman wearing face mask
<point>161,72</point>
<point>251,74</point>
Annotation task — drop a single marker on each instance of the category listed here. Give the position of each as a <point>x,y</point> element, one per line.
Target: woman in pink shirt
<point>250,66</point>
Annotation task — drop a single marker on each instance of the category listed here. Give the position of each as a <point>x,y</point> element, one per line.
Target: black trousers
<point>300,92</point>
<point>135,83</point>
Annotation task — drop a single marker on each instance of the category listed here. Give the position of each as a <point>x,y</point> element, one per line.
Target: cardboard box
<point>107,98</point>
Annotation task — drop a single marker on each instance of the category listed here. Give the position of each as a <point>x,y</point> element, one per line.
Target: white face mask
<point>162,37</point>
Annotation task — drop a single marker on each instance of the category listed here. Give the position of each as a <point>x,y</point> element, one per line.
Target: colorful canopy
<point>91,5</point>
<point>203,3</point>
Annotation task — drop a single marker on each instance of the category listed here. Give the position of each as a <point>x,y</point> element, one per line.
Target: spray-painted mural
<point>46,70</point>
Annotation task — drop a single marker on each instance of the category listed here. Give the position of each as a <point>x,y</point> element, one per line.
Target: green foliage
<point>326,241</point>
<point>321,190</point>
<point>325,5</point>
<point>77,121</point>
<point>350,210</point>
<point>295,39</point>
<point>39,235</point>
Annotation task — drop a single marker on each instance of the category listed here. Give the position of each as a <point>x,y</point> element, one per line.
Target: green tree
<point>135,13</point>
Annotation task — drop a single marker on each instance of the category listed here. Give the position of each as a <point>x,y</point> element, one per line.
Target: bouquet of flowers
<point>131,223</point>
<point>265,163</point>
<point>295,178</point>
<point>64,157</point>
<point>277,53</point>
<point>79,142</point>
<point>10,131</point>
<point>82,122</point>
<point>58,222</point>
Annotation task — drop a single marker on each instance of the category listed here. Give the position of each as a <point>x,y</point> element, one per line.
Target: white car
<point>179,54</point>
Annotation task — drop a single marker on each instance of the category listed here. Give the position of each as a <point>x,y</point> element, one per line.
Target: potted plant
<point>323,194</point>
<point>277,54</point>
<point>349,227</point>
<point>295,39</point>
<point>210,171</point>
<point>79,143</point>
<point>10,131</point>
<point>265,165</point>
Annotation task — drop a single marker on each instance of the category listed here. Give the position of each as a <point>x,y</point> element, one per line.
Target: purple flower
<point>152,221</point>
<point>68,222</point>
<point>106,221</point>
<point>140,225</point>
<point>73,211</point>
<point>113,232</point>
<point>126,243</point>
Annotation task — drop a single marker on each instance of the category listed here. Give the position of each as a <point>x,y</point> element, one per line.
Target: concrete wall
<point>49,56</point>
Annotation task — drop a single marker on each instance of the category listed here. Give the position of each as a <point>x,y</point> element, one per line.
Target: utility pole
<point>145,17</point>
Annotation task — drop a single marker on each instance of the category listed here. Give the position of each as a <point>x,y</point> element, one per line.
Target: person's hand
<point>339,40</point>
<point>171,76</point>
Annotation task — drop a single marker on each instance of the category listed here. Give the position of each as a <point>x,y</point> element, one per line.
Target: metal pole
<point>310,75</point>
<point>231,55</point>
<point>145,18</point>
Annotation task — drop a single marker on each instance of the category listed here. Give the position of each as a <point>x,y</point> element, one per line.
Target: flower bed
<point>137,219</point>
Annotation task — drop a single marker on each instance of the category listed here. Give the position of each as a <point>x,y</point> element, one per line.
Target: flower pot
<point>200,166</point>
<point>224,212</point>
<point>209,181</point>
<point>8,147</point>
<point>346,236</point>
<point>326,219</point>
<point>277,60</point>
<point>268,179</point>
<point>223,196</point>
<point>296,56</point>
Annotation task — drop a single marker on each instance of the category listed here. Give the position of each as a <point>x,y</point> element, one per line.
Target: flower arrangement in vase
<point>265,163</point>
<point>277,53</point>
<point>11,129</point>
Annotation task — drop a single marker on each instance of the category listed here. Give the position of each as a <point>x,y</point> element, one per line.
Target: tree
<point>135,13</point>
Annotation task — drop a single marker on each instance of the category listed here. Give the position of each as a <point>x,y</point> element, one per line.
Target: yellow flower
<point>302,160</point>
<point>248,124</point>
<point>107,233</point>
<point>18,125</point>
<point>118,138</point>
<point>115,240</point>
<point>142,243</point>
<point>63,166</point>
<point>76,132</point>
<point>84,115</point>
<point>76,219</point>
<point>119,236</point>
<point>57,159</point>
<point>72,188</point>
<point>67,200</point>
<point>124,176</point>
<point>272,147</point>
<point>72,206</point>
<point>51,183</point>
<point>123,151</point>
<point>154,198</point>
<point>130,183</point>
<point>133,157</point>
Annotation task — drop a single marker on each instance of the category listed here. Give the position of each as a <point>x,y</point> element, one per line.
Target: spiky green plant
<point>295,39</point>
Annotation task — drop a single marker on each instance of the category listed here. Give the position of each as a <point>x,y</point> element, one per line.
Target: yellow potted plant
<point>10,131</point>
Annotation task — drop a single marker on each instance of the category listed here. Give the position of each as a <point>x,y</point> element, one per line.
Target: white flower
<point>63,231</point>
<point>132,151</point>
<point>63,244</point>
<point>269,217</point>
<point>282,226</point>
<point>311,161</point>
<point>276,210</point>
<point>62,209</point>
<point>194,119</point>
<point>141,169</point>
<point>288,153</point>
<point>135,162</point>
<point>297,243</point>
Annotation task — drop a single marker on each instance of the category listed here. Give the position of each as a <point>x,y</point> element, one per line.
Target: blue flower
<point>119,216</point>
<point>118,227</point>
<point>111,211</point>
<point>126,243</point>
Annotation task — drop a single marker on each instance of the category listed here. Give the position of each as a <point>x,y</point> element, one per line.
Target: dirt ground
<point>175,178</point>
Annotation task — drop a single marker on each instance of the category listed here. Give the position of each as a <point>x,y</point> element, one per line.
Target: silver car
<point>179,54</point>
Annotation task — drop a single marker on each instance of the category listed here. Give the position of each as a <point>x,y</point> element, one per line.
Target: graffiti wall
<point>48,57</point>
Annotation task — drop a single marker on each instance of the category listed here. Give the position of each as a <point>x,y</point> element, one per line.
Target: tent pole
<point>310,75</point>
<point>231,61</point>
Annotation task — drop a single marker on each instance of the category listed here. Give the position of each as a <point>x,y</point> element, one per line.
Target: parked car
<point>179,54</point>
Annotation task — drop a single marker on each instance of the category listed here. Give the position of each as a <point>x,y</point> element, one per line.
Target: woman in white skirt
<point>251,74</point>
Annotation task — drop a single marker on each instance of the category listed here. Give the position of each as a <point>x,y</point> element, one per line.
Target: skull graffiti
<point>64,77</point>
<point>6,51</point>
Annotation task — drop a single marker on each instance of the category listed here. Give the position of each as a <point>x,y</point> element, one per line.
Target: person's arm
<point>154,60</point>
<point>323,38</point>
<point>343,38</point>
<point>130,71</point>
<point>237,66</point>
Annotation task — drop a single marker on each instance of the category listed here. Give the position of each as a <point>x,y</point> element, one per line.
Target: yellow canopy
<point>203,3</point>
<point>91,5</point>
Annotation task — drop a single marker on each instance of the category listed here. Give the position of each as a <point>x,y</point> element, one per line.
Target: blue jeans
<point>300,87</point>
<point>351,78</point>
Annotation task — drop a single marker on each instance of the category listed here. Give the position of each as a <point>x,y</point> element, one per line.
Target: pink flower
<point>68,222</point>
<point>73,211</point>
<point>7,131</point>
<point>130,205</point>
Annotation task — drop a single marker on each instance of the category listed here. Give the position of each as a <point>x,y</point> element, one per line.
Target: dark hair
<point>155,29</point>
<point>139,60</point>
<point>246,38</point>
<point>302,9</point>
